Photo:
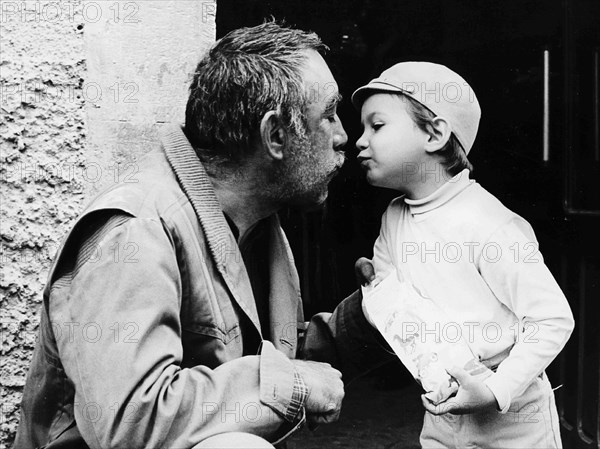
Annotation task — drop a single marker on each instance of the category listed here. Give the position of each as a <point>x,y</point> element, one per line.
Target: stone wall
<point>84,86</point>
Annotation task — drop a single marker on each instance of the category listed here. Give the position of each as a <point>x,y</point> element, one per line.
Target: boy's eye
<point>376,125</point>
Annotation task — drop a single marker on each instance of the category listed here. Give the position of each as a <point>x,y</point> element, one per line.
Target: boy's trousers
<point>531,422</point>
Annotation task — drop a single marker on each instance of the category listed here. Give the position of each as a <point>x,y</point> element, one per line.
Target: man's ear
<point>273,136</point>
<point>439,131</point>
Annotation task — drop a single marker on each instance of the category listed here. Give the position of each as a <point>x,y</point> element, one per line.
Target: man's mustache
<point>341,158</point>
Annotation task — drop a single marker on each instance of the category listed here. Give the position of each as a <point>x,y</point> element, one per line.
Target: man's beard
<point>302,179</point>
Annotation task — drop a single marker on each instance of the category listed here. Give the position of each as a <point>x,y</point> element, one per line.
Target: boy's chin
<point>375,182</point>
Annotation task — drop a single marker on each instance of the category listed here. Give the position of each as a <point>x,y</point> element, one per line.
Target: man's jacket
<point>149,331</point>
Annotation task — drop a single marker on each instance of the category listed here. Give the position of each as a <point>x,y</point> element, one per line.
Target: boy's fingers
<point>436,409</point>
<point>428,405</point>
<point>459,374</point>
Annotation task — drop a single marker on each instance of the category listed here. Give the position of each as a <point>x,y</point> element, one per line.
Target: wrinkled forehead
<point>318,79</point>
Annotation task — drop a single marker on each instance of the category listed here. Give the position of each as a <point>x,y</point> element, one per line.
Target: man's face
<point>314,156</point>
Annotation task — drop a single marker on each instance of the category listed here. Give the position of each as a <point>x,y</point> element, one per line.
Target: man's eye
<point>332,118</point>
<point>376,126</point>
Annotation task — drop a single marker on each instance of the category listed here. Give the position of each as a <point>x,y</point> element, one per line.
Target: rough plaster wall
<point>77,112</point>
<point>42,135</point>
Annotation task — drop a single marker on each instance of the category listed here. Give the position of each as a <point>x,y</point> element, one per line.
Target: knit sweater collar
<point>442,195</point>
<point>196,184</point>
<point>198,188</point>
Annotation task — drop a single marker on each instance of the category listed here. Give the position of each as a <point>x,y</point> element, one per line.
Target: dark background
<point>498,48</point>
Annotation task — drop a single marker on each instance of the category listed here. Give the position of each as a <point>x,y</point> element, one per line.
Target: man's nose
<point>340,138</point>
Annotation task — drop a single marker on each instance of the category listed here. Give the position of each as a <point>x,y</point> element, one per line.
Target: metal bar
<point>561,397</point>
<point>582,212</point>
<point>596,108</point>
<point>568,118</point>
<point>568,88</point>
<point>546,115</point>
<point>598,412</point>
<point>580,353</point>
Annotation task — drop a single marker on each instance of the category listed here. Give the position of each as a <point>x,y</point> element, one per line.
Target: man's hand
<point>325,391</point>
<point>472,396</point>
<point>365,273</point>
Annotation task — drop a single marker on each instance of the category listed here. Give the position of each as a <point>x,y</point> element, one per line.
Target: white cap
<point>439,89</point>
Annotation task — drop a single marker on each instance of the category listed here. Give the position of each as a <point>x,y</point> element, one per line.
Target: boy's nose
<point>362,143</point>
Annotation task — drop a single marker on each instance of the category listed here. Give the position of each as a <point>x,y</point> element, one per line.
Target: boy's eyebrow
<point>369,117</point>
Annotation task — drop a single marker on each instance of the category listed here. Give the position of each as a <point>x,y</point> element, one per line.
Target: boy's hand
<point>365,273</point>
<point>472,396</point>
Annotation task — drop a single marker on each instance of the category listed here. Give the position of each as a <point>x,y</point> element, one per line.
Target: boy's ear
<point>439,131</point>
<point>273,135</point>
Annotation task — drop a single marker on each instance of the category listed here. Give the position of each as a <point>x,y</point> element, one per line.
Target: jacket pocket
<point>210,346</point>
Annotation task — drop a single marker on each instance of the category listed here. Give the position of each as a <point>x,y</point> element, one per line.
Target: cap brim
<point>361,94</point>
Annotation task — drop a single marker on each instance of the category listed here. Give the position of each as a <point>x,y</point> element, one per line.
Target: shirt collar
<point>445,193</point>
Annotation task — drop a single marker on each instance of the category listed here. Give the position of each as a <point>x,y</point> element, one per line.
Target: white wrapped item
<point>418,332</point>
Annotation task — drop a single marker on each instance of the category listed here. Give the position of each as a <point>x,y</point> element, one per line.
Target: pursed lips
<point>363,161</point>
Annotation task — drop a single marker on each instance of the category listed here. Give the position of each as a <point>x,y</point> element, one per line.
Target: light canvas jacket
<point>149,322</point>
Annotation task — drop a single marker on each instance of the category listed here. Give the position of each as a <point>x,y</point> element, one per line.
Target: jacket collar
<point>284,295</point>
<point>285,307</point>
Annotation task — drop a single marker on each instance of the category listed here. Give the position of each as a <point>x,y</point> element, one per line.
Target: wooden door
<point>534,66</point>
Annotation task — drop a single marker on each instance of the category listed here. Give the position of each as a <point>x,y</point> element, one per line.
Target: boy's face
<point>392,147</point>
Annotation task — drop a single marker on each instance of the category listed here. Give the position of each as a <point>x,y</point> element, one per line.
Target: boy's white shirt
<point>479,262</point>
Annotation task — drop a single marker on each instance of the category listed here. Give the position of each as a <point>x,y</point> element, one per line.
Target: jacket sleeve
<point>124,357</point>
<point>346,340</point>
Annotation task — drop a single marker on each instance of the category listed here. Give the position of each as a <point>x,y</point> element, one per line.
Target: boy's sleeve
<point>521,281</point>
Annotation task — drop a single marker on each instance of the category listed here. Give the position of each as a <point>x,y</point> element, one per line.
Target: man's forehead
<point>317,75</point>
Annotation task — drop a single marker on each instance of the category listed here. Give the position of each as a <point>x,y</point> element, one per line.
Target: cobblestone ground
<point>375,415</point>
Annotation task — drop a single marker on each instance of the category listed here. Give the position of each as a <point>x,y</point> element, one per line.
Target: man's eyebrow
<point>332,102</point>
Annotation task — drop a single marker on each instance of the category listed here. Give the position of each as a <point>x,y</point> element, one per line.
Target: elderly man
<point>188,279</point>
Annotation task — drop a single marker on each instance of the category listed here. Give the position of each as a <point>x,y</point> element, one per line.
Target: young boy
<point>458,246</point>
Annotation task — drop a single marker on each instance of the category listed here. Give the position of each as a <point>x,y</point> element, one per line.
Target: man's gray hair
<point>247,73</point>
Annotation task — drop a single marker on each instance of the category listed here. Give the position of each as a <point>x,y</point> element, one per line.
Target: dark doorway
<point>534,67</point>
